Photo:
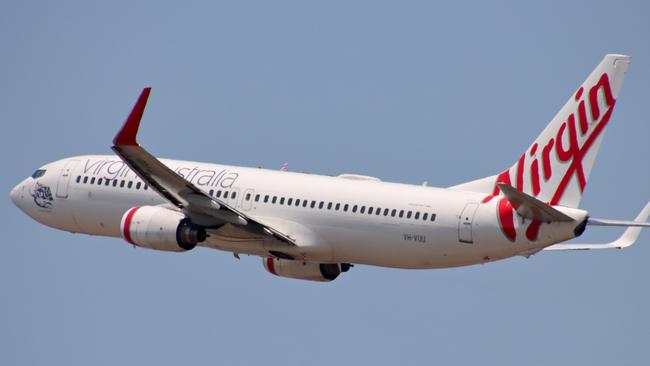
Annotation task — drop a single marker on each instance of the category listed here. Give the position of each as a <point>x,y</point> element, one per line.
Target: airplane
<point>315,227</point>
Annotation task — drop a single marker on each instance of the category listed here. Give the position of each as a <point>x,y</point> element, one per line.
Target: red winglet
<point>129,130</point>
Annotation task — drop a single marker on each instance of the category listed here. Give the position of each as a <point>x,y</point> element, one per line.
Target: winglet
<point>129,130</point>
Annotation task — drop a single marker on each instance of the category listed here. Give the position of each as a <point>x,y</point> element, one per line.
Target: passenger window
<point>313,204</point>
<point>320,205</point>
<point>392,213</point>
<point>99,181</point>
<point>408,214</point>
<point>115,183</point>
<point>354,208</point>
<point>401,213</point>
<point>378,211</point>
<point>274,200</point>
<point>234,195</point>
<point>433,217</point>
<point>337,207</point>
<point>248,196</point>
<point>282,200</point>
<point>85,180</point>
<point>107,182</point>
<point>225,195</point>
<point>266,198</point>
<point>369,210</point>
<point>345,207</point>
<point>122,184</point>
<point>424,216</point>
<point>212,192</point>
<point>257,198</point>
<point>218,193</point>
<point>146,186</point>
<point>138,185</point>
<point>297,202</point>
<point>363,209</point>
<point>304,203</point>
<point>289,201</point>
<point>417,215</point>
<point>78,178</point>
<point>329,206</point>
<point>92,180</point>
<point>130,184</point>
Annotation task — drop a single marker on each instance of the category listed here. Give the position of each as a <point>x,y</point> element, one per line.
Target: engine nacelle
<point>310,271</point>
<point>161,229</point>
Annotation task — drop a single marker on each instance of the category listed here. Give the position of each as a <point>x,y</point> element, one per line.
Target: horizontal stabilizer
<point>628,238</point>
<point>602,222</point>
<point>530,207</point>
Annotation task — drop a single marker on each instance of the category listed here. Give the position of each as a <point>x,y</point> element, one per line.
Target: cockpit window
<point>39,173</point>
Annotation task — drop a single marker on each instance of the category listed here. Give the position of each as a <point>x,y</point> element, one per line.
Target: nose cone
<point>15,195</point>
<point>18,193</point>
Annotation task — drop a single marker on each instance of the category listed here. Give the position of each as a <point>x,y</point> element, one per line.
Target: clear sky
<point>406,91</point>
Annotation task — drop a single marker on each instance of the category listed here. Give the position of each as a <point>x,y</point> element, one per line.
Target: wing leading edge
<point>196,204</point>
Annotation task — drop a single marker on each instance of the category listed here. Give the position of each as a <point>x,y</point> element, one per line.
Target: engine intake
<point>311,271</point>
<point>161,229</point>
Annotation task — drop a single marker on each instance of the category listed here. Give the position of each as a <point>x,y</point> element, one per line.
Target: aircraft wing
<point>201,208</point>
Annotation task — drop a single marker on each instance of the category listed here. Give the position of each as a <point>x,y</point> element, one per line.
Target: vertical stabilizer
<point>556,166</point>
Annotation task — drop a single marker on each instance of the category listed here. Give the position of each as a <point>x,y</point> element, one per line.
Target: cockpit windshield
<point>38,173</point>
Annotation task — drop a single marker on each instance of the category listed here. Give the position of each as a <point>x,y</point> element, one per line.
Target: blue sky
<point>407,91</point>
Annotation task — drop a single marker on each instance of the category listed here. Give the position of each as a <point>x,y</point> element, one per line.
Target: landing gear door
<point>64,179</point>
<point>465,223</point>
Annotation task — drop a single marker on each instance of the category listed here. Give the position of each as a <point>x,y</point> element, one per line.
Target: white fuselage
<point>358,219</point>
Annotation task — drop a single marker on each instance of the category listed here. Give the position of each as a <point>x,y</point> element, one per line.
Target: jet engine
<point>160,228</point>
<point>310,271</point>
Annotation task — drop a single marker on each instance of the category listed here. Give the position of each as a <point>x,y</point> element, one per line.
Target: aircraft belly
<point>397,246</point>
<point>436,245</point>
<point>240,246</point>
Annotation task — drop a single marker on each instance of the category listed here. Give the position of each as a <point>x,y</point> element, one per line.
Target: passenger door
<point>63,184</point>
<point>465,223</point>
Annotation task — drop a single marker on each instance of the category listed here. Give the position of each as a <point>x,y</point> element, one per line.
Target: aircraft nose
<point>16,194</point>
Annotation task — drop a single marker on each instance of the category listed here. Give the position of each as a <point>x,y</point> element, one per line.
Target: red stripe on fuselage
<point>533,230</point>
<point>506,219</point>
<point>504,177</point>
